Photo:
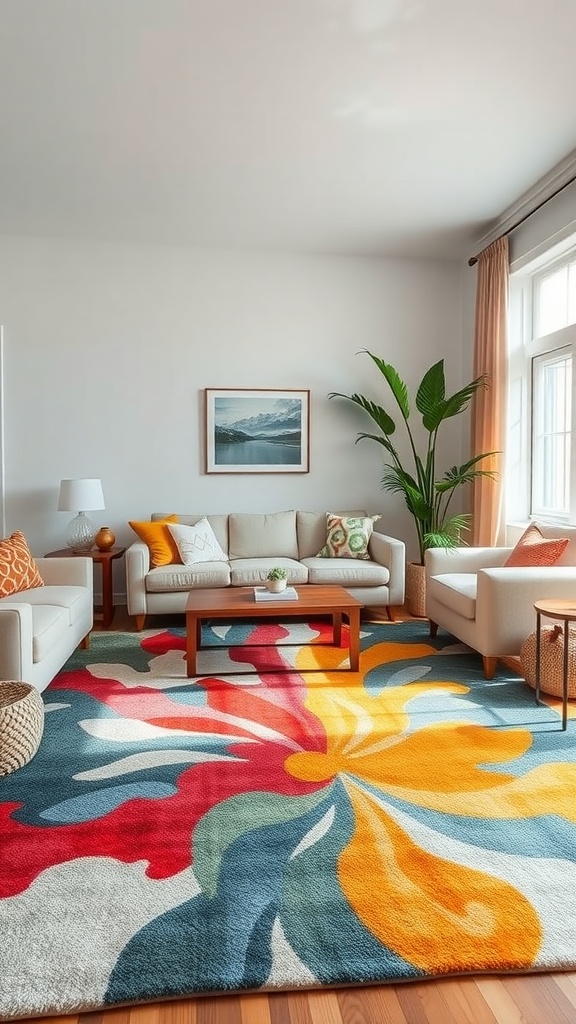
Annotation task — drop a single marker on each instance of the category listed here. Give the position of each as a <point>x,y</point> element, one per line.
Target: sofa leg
<point>489,667</point>
<point>140,620</point>
<point>433,627</point>
<point>390,613</point>
<point>85,642</point>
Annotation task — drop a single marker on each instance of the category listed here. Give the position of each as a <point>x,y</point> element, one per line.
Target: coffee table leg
<point>192,631</point>
<point>354,641</point>
<point>337,629</point>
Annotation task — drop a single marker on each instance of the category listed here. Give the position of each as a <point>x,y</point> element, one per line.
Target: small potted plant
<point>276,579</point>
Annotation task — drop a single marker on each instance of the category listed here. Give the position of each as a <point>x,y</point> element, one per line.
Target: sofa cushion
<point>63,596</point>
<point>346,571</point>
<point>161,544</point>
<point>219,524</point>
<point>455,590</point>
<point>533,549</point>
<point>311,530</point>
<point>347,536</point>
<point>248,572</point>
<point>168,578</point>
<point>18,570</point>
<point>261,536</point>
<point>197,543</point>
<point>49,625</point>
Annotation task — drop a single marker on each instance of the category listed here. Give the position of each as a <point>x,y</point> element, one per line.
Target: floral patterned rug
<point>277,829</point>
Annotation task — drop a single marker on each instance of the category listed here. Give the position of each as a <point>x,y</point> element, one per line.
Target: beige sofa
<point>41,627</point>
<point>256,542</point>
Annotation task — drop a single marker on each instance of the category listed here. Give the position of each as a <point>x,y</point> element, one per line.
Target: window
<point>555,299</point>
<point>540,457</point>
<point>551,430</point>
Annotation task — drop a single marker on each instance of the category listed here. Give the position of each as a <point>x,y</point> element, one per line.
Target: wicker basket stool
<point>551,661</point>
<point>21,724</point>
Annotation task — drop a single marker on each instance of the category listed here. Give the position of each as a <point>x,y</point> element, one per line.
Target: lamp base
<point>80,534</point>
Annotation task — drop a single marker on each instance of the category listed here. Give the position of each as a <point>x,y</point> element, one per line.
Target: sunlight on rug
<point>268,829</point>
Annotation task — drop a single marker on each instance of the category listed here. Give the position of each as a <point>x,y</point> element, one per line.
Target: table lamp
<point>80,496</point>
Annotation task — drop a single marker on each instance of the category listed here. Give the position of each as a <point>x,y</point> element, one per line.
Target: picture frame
<point>257,430</point>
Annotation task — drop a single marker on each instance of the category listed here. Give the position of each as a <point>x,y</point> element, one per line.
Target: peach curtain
<point>489,407</point>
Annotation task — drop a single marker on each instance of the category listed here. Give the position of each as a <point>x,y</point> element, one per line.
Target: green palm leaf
<point>430,396</point>
<point>460,400</point>
<point>376,412</point>
<point>397,481</point>
<point>395,382</point>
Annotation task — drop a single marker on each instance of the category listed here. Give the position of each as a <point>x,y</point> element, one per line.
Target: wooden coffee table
<point>239,603</point>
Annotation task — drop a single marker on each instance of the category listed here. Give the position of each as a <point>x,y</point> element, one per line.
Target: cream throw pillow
<point>197,543</point>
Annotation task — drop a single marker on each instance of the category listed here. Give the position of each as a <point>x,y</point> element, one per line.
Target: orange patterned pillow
<point>18,570</point>
<point>162,546</point>
<point>533,549</point>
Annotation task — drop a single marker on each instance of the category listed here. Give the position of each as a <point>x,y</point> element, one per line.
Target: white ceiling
<point>395,127</point>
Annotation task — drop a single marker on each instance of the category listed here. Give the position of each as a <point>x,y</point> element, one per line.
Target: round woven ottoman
<point>21,724</point>
<point>551,661</point>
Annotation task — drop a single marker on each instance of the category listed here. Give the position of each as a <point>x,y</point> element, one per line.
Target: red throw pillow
<point>533,549</point>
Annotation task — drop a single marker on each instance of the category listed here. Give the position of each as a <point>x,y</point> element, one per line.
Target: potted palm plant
<point>428,497</point>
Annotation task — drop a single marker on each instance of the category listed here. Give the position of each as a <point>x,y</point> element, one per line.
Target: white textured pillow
<point>197,543</point>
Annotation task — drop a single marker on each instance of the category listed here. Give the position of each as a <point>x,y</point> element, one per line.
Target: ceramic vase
<point>104,539</point>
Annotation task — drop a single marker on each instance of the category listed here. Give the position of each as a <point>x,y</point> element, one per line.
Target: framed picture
<point>257,431</point>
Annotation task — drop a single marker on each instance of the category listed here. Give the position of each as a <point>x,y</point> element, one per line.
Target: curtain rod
<point>474,259</point>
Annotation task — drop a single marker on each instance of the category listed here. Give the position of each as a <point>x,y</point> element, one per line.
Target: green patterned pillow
<point>347,536</point>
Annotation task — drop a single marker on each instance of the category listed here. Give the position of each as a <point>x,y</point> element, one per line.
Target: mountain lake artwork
<point>257,431</point>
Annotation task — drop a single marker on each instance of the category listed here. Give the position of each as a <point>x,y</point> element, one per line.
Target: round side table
<point>565,611</point>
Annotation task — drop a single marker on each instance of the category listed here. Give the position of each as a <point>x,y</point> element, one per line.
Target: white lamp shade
<point>80,496</point>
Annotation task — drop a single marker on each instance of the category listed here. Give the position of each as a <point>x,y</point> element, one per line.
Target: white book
<point>263,594</point>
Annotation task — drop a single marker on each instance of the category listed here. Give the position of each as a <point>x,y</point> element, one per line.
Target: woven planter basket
<point>21,724</point>
<point>416,589</point>
<point>551,661</point>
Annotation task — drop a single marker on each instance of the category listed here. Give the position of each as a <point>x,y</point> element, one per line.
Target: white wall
<point>108,349</point>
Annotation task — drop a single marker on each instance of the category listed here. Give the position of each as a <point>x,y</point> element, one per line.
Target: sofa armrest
<point>504,588</point>
<point>15,641</point>
<point>76,572</point>
<point>391,553</point>
<point>441,560</point>
<point>137,566</point>
<point>505,597</point>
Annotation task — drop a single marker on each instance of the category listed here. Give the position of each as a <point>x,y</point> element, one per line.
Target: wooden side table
<point>105,559</point>
<point>566,612</point>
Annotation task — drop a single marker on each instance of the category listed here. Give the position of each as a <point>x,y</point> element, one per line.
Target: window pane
<point>552,400</point>
<point>553,302</point>
<point>572,293</point>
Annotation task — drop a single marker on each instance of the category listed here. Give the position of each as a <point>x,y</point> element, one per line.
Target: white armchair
<point>487,605</point>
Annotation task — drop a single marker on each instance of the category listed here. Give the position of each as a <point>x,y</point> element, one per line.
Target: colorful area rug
<point>274,830</point>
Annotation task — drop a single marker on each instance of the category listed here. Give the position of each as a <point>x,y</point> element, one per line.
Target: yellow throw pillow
<point>163,547</point>
<point>18,570</point>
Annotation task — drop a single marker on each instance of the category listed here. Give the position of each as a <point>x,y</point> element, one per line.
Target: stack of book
<point>263,594</point>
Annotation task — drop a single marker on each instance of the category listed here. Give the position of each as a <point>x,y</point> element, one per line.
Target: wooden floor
<point>520,999</point>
